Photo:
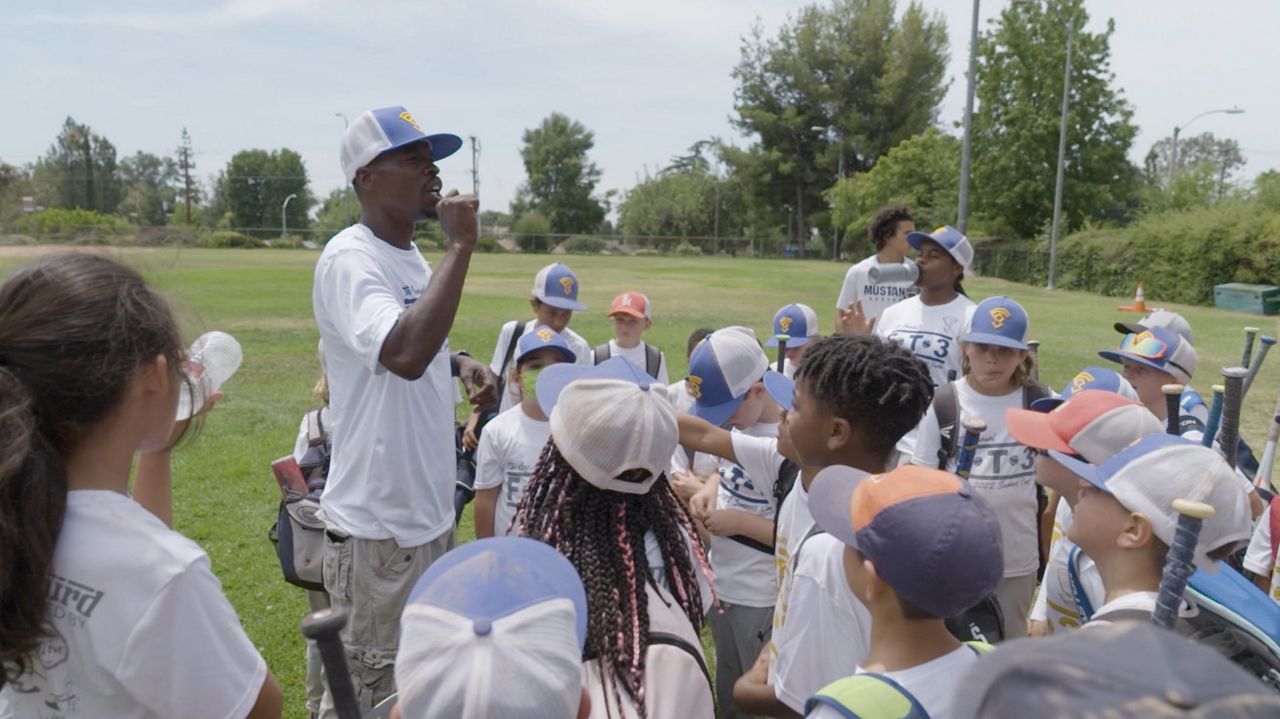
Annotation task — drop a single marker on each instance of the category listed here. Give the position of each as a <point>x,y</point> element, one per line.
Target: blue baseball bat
<point>1215,417</point>
<point>1179,564</point>
<point>973,429</point>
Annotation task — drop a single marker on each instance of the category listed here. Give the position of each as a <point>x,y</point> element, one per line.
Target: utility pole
<point>1062,154</point>
<point>475,174</point>
<point>185,164</point>
<point>346,192</point>
<point>962,215</point>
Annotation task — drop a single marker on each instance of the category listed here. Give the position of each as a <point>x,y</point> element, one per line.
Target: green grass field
<point>224,493</point>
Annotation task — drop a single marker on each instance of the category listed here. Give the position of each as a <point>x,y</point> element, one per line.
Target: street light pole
<point>839,140</point>
<point>346,193</point>
<point>1173,152</point>
<point>284,217</point>
<point>962,213</point>
<point>1062,155</point>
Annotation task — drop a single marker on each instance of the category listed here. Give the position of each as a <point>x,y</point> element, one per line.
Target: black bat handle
<point>1180,561</point>
<point>324,627</point>
<point>1172,403</point>
<point>1232,397</point>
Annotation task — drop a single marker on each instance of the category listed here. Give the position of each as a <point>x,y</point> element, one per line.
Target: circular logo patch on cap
<point>409,119</point>
<point>567,284</point>
<point>1079,381</point>
<point>785,324</point>
<point>998,316</point>
<point>545,334</point>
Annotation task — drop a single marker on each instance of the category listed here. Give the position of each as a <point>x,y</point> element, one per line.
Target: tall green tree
<point>1021,61</point>
<point>1221,155</point>
<point>79,171</point>
<point>253,188</point>
<point>561,177</point>
<point>845,81</point>
<point>149,192</point>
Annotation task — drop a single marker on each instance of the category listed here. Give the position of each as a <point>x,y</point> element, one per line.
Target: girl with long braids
<point>104,610</point>
<point>599,495</point>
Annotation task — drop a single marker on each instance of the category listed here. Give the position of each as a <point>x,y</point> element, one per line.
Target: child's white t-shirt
<point>637,357</point>
<point>1004,472</point>
<point>1257,558</point>
<point>827,631</point>
<point>875,298</point>
<point>929,331</point>
<point>508,452</point>
<point>1056,604</point>
<point>139,626</point>
<point>745,576</point>
<point>933,683</point>
<point>511,397</point>
<point>794,524</point>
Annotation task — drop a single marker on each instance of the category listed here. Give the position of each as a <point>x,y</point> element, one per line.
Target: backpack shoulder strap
<point>652,360</point>
<point>317,435</point>
<point>600,353</point>
<point>813,532</point>
<point>1033,392</point>
<point>867,696</point>
<point>980,648</point>
<point>1275,526</point>
<point>946,407</point>
<point>686,647</point>
<point>1077,587</point>
<point>517,330</point>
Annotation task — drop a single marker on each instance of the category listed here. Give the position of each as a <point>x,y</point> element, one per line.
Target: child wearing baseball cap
<point>1093,423</point>
<point>1125,521</point>
<point>888,233</point>
<point>632,316</point>
<point>513,441</point>
<point>599,496</point>
<point>855,396</point>
<point>494,629</point>
<point>800,324</point>
<point>919,546</point>
<point>996,377</point>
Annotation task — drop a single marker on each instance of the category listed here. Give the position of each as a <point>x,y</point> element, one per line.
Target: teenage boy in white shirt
<point>888,233</point>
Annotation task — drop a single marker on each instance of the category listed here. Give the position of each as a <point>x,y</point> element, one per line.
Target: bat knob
<point>1252,330</point>
<point>1172,389</point>
<point>1268,340</point>
<point>1218,389</point>
<point>323,622</point>
<point>974,424</point>
<point>782,338</point>
<point>1199,510</point>
<point>1234,372</point>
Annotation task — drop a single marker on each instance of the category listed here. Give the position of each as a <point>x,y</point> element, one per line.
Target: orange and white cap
<point>632,303</point>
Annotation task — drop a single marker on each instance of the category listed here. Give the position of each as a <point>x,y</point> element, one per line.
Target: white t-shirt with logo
<point>511,397</point>
<point>393,465</point>
<point>637,357</point>
<point>139,626</point>
<point>929,331</point>
<point>1257,558</point>
<point>746,576</point>
<point>933,684</point>
<point>509,449</point>
<point>1004,472</point>
<point>827,631</point>
<point>1056,604</point>
<point>875,298</point>
<point>794,524</point>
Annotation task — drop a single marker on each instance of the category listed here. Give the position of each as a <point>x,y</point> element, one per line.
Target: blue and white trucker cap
<point>951,240</point>
<point>1100,378</point>
<point>797,321</point>
<point>388,128</point>
<point>722,369</point>
<point>556,285</point>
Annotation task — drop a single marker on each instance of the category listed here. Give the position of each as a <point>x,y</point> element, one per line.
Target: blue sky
<point>650,77</point>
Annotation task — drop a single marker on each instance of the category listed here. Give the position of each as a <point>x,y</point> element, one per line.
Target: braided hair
<point>875,384</point>
<point>602,534</point>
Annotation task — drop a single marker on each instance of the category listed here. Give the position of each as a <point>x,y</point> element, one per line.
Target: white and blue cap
<point>1150,474</point>
<point>493,628</point>
<point>388,128</point>
<point>1159,348</point>
<point>541,338</point>
<point>722,369</point>
<point>998,321</point>
<point>950,239</point>
<point>556,285</point>
<point>797,321</point>
<point>1100,378</point>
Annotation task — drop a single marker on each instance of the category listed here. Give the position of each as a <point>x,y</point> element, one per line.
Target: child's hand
<point>1036,628</point>
<point>701,505</point>
<point>685,485</point>
<point>723,522</point>
<point>853,321</point>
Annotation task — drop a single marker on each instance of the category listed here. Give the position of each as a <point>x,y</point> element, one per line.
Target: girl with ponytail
<point>104,610</point>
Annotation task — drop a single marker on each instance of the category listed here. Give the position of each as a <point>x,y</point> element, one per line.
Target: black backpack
<point>946,407</point>
<point>652,358</point>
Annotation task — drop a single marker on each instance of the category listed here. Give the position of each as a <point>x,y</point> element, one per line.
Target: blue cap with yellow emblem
<point>388,128</point>
<point>556,285</point>
<point>998,321</point>
<point>541,338</point>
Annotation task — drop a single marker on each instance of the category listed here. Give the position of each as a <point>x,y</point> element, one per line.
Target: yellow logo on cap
<point>785,323</point>
<point>545,334</point>
<point>1143,336</point>
<point>1080,381</point>
<point>409,119</point>
<point>694,384</point>
<point>998,316</point>
<point>567,284</point>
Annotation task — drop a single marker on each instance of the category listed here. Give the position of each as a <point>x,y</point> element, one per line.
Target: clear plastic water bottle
<point>211,360</point>
<point>897,272</point>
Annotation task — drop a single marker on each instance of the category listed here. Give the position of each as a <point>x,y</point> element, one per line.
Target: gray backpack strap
<point>652,360</point>
<point>946,407</point>
<point>600,354</point>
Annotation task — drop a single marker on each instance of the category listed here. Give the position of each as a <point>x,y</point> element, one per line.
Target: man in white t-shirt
<point>888,232</point>
<point>632,315</point>
<point>384,320</point>
<point>513,441</point>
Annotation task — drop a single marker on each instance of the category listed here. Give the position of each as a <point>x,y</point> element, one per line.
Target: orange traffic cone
<point>1139,303</point>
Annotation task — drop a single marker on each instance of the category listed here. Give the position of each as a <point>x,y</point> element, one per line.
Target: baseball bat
<point>782,352</point>
<point>324,627</point>
<point>1215,417</point>
<point>1233,394</point>
<point>973,429</point>
<point>1249,334</point>
<point>1269,453</point>
<point>1179,564</point>
<point>1034,346</point>
<point>1256,364</point>
<point>1172,399</point>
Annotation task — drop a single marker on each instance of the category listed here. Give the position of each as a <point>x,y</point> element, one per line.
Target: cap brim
<point>915,238</point>
<point>556,377</point>
<point>831,501</point>
<point>781,389</point>
<point>1081,469</point>
<point>1116,356</point>
<point>1130,328</point>
<point>628,311</point>
<point>443,145</point>
<point>716,414</point>
<point>792,342</point>
<point>983,338</point>
<point>1031,428</point>
<point>563,303</point>
<point>1046,404</point>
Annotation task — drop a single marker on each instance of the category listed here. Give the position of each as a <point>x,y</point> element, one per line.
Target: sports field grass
<point>224,493</point>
